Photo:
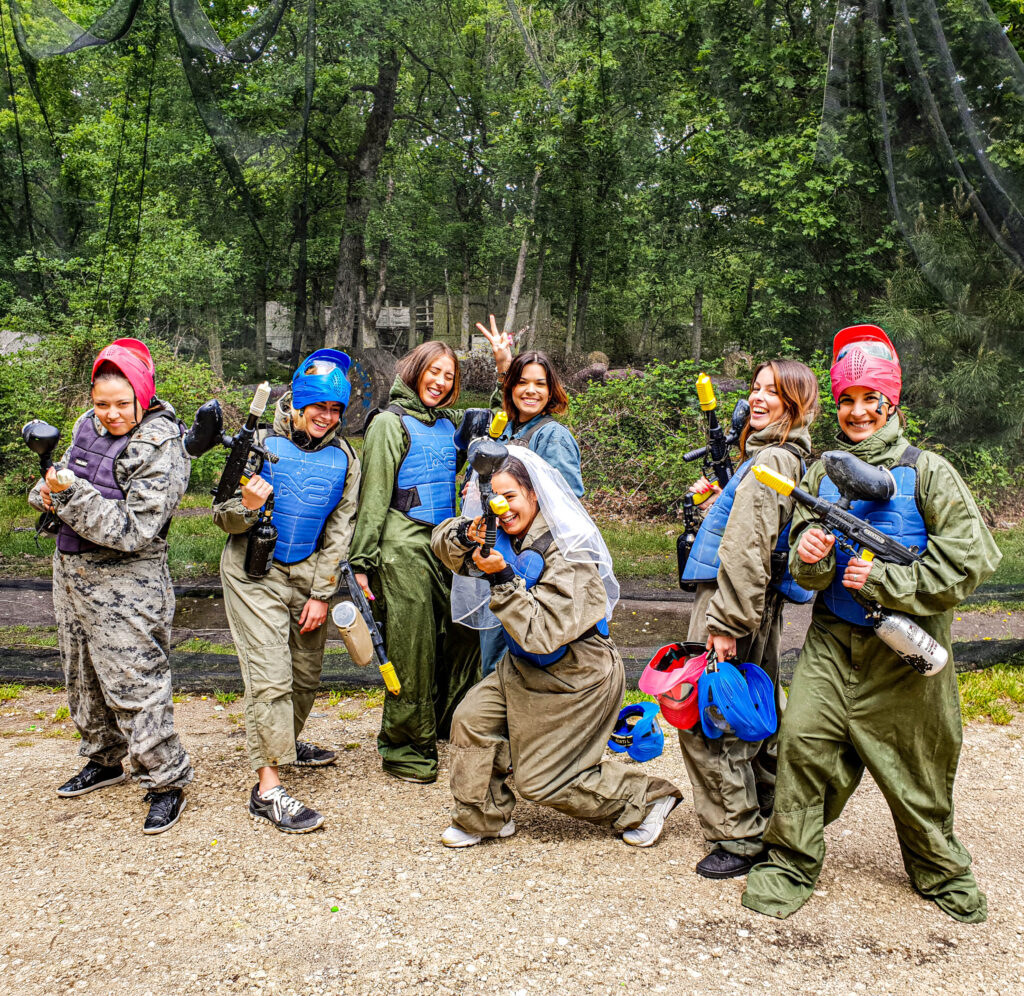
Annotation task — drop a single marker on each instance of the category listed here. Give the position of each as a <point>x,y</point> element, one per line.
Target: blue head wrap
<point>320,377</point>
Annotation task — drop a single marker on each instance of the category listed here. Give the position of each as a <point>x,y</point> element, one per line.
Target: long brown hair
<point>797,388</point>
<point>558,400</point>
<point>411,366</point>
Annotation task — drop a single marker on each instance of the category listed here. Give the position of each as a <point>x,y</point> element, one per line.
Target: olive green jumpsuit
<point>855,704</point>
<point>436,660</point>
<point>734,780</point>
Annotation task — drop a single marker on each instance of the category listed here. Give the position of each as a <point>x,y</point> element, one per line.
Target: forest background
<point>647,169</point>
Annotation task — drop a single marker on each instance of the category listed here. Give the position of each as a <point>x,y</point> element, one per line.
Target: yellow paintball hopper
<point>774,480</point>
<point>499,505</point>
<point>498,424</point>
<point>706,393</point>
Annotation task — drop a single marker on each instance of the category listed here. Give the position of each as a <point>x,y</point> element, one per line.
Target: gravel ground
<point>90,905</point>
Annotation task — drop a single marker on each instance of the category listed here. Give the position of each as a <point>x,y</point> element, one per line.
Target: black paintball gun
<point>859,481</point>
<point>359,630</point>
<point>686,539</point>
<point>715,455</point>
<point>42,439</point>
<point>486,455</point>
<point>207,432</point>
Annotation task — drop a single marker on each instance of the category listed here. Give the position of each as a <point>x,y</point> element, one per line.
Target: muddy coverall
<point>855,704</point>
<point>436,660</point>
<point>281,666</point>
<point>114,606</point>
<point>550,725</point>
<point>734,780</point>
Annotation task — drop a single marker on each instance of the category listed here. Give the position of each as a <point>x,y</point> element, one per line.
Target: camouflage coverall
<point>550,725</point>
<point>856,704</point>
<point>734,780</point>
<point>281,666</point>
<point>114,608</point>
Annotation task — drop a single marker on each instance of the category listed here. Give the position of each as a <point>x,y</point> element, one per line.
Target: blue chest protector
<point>529,565</point>
<point>900,517</point>
<point>425,484</point>
<point>308,486</point>
<point>704,562</point>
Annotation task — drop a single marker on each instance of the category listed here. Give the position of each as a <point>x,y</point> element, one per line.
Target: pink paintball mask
<point>131,359</point>
<point>863,356</point>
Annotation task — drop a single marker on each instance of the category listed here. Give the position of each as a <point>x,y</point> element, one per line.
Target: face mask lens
<point>714,716</point>
<point>319,368</point>
<point>870,346</point>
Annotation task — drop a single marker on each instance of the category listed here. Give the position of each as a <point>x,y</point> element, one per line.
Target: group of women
<point>504,648</point>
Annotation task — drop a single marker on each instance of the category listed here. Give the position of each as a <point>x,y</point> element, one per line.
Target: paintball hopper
<point>42,439</point>
<point>857,480</point>
<point>740,415</point>
<point>474,425</point>
<point>354,632</point>
<point>207,429</point>
<point>486,456</point>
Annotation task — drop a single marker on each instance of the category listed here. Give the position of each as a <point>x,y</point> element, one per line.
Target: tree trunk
<point>299,317</point>
<point>448,307</point>
<point>213,343</point>
<point>260,351</point>
<point>698,321</point>
<point>570,308</point>
<point>524,248</point>
<point>362,171</point>
<point>581,309</point>
<point>410,337</point>
<point>531,335</point>
<point>464,323</point>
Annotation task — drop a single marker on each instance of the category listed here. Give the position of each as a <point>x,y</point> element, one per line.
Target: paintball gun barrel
<point>715,454</point>
<point>359,630</point>
<point>42,439</point>
<point>485,457</point>
<point>207,432</point>
<point>859,481</point>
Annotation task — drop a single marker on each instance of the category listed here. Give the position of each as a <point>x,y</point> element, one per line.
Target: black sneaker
<point>723,864</point>
<point>93,776</point>
<point>164,810</point>
<point>279,808</point>
<point>311,756</point>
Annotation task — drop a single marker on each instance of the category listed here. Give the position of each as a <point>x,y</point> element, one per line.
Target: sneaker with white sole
<point>654,822</point>
<point>93,776</point>
<point>454,837</point>
<point>311,756</point>
<point>279,808</point>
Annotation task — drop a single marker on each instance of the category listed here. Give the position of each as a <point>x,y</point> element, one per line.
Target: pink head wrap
<point>857,361</point>
<point>131,359</point>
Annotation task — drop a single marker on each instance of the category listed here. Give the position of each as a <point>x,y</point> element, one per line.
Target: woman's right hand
<point>500,343</point>
<point>364,582</point>
<point>705,487</point>
<point>45,496</point>
<point>256,492</point>
<point>814,545</point>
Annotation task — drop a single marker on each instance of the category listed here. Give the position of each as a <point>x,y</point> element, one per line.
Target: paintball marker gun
<point>42,439</point>
<point>685,540</point>
<point>486,455</point>
<point>859,481</point>
<point>259,547</point>
<point>359,630</point>
<point>715,455</point>
<point>207,431</point>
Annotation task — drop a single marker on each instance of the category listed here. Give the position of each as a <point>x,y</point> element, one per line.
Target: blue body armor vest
<point>703,562</point>
<point>529,565</point>
<point>900,517</point>
<point>308,485</point>
<point>425,484</point>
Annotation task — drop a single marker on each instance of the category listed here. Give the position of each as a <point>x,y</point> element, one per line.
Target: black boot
<point>723,864</point>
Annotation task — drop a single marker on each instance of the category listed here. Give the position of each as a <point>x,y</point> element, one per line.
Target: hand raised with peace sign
<point>500,342</point>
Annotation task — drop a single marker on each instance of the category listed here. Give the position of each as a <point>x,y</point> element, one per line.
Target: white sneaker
<point>650,830</point>
<point>454,837</point>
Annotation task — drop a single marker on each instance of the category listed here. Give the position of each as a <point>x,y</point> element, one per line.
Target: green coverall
<point>734,780</point>
<point>855,704</point>
<point>437,661</point>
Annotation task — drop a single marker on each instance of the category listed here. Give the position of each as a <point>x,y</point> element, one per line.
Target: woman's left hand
<point>53,484</point>
<point>493,563</point>
<point>856,573</point>
<point>724,646</point>
<point>314,612</point>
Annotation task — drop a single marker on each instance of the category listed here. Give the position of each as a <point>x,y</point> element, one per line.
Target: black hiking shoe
<point>164,810</point>
<point>93,776</point>
<point>311,756</point>
<point>279,808</point>
<point>722,864</point>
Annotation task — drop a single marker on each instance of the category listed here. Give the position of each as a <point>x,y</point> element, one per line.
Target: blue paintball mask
<point>321,376</point>
<point>637,732</point>
<point>736,699</point>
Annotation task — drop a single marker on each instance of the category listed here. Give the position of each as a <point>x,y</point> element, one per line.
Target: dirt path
<point>90,905</point>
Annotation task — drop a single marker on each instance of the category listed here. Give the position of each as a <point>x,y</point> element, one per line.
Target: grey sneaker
<point>654,822</point>
<point>279,808</point>
<point>311,756</point>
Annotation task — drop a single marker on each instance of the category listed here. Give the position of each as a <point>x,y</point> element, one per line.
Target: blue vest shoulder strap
<point>425,484</point>
<point>529,565</point>
<point>900,517</point>
<point>308,486</point>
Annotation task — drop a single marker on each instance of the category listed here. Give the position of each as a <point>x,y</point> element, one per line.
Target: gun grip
<point>867,555</point>
<point>700,497</point>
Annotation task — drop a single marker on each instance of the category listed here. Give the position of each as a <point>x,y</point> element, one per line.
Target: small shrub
<point>10,692</point>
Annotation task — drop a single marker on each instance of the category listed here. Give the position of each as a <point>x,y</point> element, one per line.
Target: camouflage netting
<point>931,92</point>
